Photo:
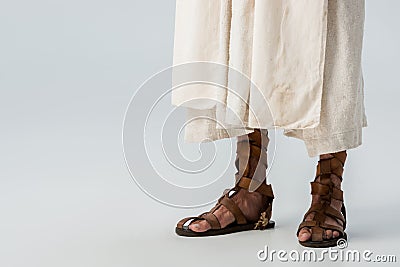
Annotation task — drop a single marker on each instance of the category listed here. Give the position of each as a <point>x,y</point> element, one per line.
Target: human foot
<point>239,209</point>
<point>250,203</point>
<point>332,219</point>
<point>243,220</point>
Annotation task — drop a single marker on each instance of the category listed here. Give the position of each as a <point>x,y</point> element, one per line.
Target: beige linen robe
<point>302,61</point>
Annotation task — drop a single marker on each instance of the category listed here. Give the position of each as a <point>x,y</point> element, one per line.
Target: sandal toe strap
<point>208,216</point>
<point>212,220</point>
<point>332,227</point>
<point>306,224</point>
<point>317,233</point>
<point>181,223</point>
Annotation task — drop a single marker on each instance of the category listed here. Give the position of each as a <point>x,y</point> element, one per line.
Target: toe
<point>201,226</point>
<point>328,234</point>
<point>304,234</point>
<point>336,234</point>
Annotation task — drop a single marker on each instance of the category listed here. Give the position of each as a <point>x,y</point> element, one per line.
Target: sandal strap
<point>318,235</point>
<point>212,220</point>
<point>306,224</point>
<point>182,222</point>
<point>208,216</point>
<point>326,210</point>
<point>332,165</point>
<point>264,189</point>
<point>333,213</point>
<point>326,189</point>
<point>318,188</point>
<point>251,161</point>
<point>328,226</point>
<point>233,207</point>
<point>343,210</point>
<point>318,224</point>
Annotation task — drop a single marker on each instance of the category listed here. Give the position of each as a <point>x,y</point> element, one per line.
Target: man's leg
<point>251,162</point>
<point>326,191</point>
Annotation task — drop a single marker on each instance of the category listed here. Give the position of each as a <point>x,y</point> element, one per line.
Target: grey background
<point>67,72</point>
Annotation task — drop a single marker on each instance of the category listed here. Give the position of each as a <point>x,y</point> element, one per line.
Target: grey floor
<point>67,73</point>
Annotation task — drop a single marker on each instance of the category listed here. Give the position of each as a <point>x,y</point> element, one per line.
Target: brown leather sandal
<point>251,163</point>
<point>327,191</point>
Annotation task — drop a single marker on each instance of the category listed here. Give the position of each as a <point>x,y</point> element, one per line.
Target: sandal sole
<point>323,244</point>
<point>227,230</point>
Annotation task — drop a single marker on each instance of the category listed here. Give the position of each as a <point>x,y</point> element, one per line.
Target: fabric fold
<point>267,42</point>
<point>240,65</point>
